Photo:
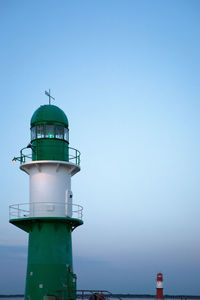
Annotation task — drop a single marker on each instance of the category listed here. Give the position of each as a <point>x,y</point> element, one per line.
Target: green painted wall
<point>50,149</point>
<point>49,269</point>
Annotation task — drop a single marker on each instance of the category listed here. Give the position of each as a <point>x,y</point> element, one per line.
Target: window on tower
<point>49,131</point>
<point>59,132</point>
<point>66,134</point>
<point>33,133</point>
<point>40,131</point>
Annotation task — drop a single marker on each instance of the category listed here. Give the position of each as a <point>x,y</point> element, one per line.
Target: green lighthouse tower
<point>50,216</point>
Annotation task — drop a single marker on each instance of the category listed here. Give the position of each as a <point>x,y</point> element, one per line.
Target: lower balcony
<point>45,209</point>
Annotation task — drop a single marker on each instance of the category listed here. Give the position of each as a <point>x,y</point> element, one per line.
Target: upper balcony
<point>74,155</point>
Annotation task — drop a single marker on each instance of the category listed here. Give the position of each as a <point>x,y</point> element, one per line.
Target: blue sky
<point>127,75</point>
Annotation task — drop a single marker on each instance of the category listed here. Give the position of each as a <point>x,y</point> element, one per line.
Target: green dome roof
<point>49,113</point>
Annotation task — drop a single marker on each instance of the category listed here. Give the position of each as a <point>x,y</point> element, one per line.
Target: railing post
<point>21,157</point>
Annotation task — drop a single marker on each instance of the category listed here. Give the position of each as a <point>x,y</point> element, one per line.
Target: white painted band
<point>159,285</point>
<point>50,188</point>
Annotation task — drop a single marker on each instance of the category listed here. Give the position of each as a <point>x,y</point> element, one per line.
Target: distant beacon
<point>50,216</point>
<point>159,286</point>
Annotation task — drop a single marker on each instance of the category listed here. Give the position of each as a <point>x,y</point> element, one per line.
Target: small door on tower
<point>68,206</point>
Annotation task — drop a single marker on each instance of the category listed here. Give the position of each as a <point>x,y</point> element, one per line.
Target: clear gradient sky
<point>126,72</point>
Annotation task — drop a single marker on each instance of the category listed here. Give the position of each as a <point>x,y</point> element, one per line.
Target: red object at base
<point>159,293</point>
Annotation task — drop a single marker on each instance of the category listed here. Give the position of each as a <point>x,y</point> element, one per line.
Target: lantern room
<point>49,134</point>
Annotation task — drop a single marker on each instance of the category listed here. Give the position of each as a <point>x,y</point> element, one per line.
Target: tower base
<point>50,268</point>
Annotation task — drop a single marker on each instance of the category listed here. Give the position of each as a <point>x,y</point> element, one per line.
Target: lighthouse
<point>159,286</point>
<point>51,215</point>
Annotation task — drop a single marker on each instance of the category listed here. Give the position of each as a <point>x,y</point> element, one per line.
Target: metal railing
<point>74,156</point>
<point>96,294</point>
<point>23,157</point>
<point>45,209</point>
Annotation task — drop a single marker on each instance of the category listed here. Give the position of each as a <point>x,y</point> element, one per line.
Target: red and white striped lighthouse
<point>159,286</point>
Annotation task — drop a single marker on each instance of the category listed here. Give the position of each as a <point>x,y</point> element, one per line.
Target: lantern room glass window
<point>49,131</point>
<point>33,133</point>
<point>40,131</point>
<point>66,134</point>
<point>59,132</point>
